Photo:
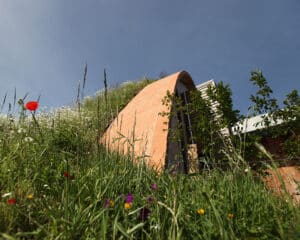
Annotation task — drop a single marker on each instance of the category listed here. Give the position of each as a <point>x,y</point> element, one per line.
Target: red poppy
<point>32,105</point>
<point>67,175</point>
<point>11,201</point>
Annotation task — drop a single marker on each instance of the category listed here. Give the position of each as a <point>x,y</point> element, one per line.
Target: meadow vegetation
<point>58,182</point>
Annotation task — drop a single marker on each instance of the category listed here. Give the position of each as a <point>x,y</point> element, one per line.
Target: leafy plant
<point>289,115</point>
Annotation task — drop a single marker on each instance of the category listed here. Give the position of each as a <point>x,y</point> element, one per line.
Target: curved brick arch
<point>139,128</point>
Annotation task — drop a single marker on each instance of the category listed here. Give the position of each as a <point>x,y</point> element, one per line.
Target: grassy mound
<point>57,182</point>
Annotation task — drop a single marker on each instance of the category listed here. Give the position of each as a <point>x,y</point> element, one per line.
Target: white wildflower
<point>88,98</point>
<point>247,170</point>
<point>126,83</point>
<point>21,130</point>
<point>156,227</point>
<point>28,139</point>
<point>7,194</point>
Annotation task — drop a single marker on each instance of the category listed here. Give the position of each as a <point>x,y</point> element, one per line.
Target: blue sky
<point>44,44</point>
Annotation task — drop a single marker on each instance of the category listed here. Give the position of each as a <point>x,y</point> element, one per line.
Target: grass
<point>67,186</point>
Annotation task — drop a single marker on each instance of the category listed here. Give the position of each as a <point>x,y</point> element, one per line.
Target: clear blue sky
<point>44,44</point>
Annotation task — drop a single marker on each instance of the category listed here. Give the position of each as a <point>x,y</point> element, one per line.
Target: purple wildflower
<point>129,198</point>
<point>144,214</point>
<point>109,203</point>
<point>106,204</point>
<point>150,199</point>
<point>154,186</point>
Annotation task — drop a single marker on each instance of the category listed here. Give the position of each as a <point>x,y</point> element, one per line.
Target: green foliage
<point>222,95</point>
<point>263,103</point>
<point>205,126</point>
<point>74,208</point>
<point>61,184</point>
<point>289,129</point>
<point>209,125</point>
<point>175,128</point>
<point>109,102</point>
<point>290,114</point>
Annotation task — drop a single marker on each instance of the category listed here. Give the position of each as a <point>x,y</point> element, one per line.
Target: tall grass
<point>67,186</point>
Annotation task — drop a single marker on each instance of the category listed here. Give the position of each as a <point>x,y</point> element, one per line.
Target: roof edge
<point>186,78</point>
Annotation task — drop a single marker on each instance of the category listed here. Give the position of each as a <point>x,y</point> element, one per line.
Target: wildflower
<point>128,201</point>
<point>150,199</point>
<point>156,227</point>
<point>30,196</point>
<point>28,139</point>
<point>144,214</point>
<point>127,205</point>
<point>154,186</point>
<point>246,170</point>
<point>11,119</point>
<point>129,198</point>
<point>21,130</point>
<point>32,105</point>
<point>7,194</point>
<point>230,216</point>
<point>106,204</point>
<point>201,211</point>
<point>68,176</point>
<point>20,102</point>
<point>109,203</point>
<point>11,201</point>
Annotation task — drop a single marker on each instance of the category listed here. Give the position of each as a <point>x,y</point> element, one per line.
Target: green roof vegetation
<point>58,182</point>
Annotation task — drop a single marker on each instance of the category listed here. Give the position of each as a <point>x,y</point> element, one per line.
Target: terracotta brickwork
<point>139,129</point>
<point>284,179</point>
